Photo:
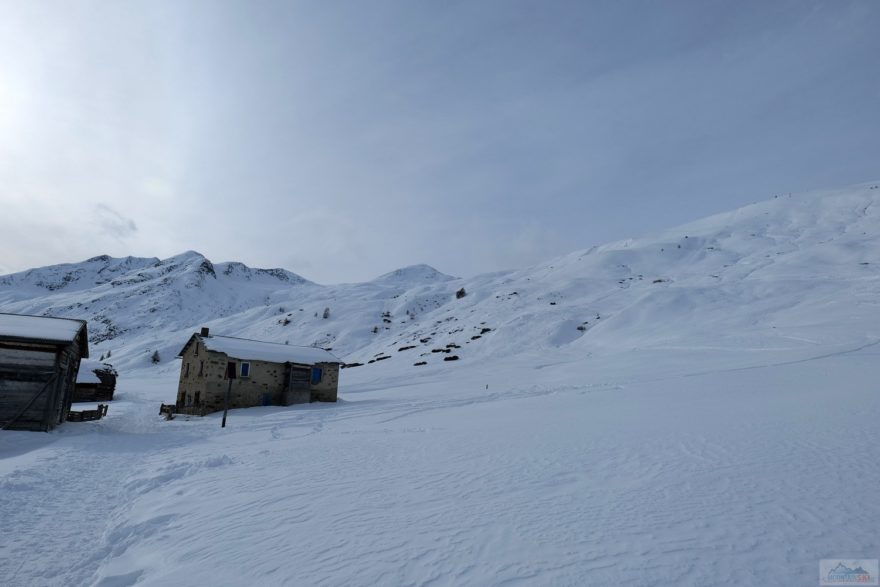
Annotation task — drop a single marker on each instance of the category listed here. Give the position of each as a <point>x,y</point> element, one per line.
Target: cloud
<point>471,136</point>
<point>113,223</point>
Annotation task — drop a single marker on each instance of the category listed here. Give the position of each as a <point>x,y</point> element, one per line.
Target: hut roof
<point>87,368</point>
<point>87,376</point>
<point>43,329</point>
<point>256,350</point>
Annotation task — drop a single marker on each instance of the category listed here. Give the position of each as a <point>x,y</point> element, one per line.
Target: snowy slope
<point>636,292</point>
<point>696,407</point>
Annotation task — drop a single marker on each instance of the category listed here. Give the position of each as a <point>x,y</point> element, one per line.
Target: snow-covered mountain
<point>788,272</point>
<point>694,407</point>
<point>142,299</point>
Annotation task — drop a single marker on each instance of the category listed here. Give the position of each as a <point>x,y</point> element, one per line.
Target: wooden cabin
<point>266,373</point>
<point>96,382</point>
<point>39,361</point>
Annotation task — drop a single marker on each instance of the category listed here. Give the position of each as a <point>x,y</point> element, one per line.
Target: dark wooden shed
<point>39,361</point>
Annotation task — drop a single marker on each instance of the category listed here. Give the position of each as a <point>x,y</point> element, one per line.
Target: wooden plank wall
<point>36,384</point>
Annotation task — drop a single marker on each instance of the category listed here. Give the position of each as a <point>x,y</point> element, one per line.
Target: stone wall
<point>203,388</point>
<point>327,389</point>
<point>194,369</point>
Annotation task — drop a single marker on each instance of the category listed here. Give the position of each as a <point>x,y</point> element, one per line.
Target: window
<point>196,350</point>
<point>245,370</point>
<point>186,370</point>
<point>201,368</point>
<point>317,373</point>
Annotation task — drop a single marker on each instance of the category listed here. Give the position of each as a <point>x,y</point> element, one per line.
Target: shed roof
<point>42,329</point>
<point>272,352</point>
<point>87,368</point>
<point>87,376</point>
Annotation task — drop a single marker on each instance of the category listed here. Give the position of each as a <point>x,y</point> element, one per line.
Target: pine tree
<point>155,358</point>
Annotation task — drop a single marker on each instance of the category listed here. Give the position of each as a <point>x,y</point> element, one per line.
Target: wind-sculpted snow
<point>696,407</point>
<point>631,467</point>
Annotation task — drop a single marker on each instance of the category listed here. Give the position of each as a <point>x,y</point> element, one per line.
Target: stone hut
<point>39,361</point>
<point>266,373</point>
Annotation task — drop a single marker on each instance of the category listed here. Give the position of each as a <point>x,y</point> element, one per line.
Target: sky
<point>345,139</point>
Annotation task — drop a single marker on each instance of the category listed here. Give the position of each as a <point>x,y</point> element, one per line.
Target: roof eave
<point>84,333</point>
<point>33,339</point>
<point>188,341</point>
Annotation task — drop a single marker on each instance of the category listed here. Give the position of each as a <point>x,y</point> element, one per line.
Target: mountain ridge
<point>757,277</point>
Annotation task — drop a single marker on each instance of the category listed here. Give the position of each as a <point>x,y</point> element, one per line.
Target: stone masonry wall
<point>203,388</point>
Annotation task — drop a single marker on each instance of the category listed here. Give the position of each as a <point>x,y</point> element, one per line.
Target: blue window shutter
<point>317,373</point>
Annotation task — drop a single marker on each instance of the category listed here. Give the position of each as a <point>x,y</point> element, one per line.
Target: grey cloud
<point>113,223</point>
<point>342,141</point>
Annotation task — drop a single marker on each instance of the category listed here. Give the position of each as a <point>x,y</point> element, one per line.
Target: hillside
<point>694,407</point>
<point>799,270</point>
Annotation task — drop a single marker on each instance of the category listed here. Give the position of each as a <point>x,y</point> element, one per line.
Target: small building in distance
<point>266,373</point>
<point>39,361</point>
<point>96,382</point>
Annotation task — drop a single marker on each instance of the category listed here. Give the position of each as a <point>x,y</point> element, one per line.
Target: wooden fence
<point>87,415</point>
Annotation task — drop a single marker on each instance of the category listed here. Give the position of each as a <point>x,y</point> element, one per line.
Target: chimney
<point>204,331</point>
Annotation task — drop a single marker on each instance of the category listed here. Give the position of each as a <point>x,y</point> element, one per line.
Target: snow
<point>714,422</point>
<point>413,273</point>
<point>87,369</point>
<point>39,327</point>
<point>700,475</point>
<point>255,350</point>
<point>86,375</point>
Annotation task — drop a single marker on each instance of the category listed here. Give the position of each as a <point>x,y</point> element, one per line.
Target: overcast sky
<point>342,140</point>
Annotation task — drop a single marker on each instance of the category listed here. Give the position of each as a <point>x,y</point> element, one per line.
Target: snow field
<point>727,476</point>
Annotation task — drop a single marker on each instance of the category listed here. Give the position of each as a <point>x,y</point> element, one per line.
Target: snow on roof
<point>87,376</point>
<point>40,327</point>
<point>272,352</point>
<point>87,368</point>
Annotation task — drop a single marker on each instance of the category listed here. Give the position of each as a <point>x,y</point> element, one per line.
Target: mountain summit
<point>414,274</point>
